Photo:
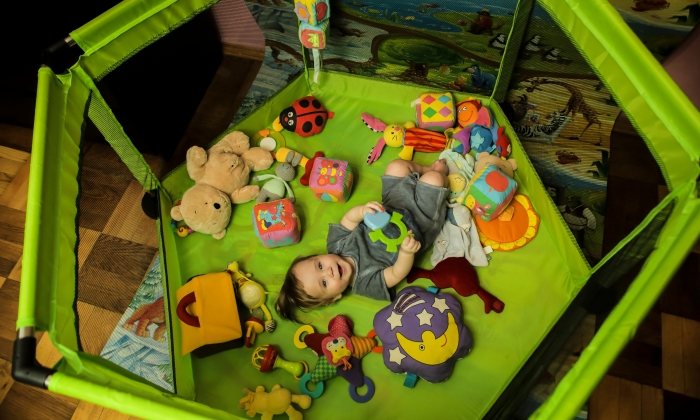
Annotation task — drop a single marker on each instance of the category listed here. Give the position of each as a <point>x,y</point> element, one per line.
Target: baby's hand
<point>410,244</point>
<point>372,207</point>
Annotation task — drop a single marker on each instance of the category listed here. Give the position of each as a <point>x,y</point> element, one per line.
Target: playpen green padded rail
<point>665,118</point>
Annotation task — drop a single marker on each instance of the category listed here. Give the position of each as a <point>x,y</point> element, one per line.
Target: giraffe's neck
<point>566,86</point>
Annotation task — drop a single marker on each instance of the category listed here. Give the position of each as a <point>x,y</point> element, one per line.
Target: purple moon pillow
<point>422,333</point>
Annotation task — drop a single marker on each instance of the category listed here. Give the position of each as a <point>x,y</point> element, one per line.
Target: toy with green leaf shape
<point>339,353</point>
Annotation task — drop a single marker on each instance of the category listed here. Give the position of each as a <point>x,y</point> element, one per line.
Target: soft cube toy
<point>492,188</point>
<point>435,111</point>
<point>331,180</point>
<point>313,36</point>
<point>422,334</point>
<point>276,223</point>
<point>312,12</point>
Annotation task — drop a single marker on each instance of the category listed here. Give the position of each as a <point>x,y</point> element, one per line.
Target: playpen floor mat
<point>535,282</point>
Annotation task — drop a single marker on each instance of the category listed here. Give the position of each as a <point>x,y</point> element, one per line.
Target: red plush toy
<point>307,169</point>
<point>458,274</point>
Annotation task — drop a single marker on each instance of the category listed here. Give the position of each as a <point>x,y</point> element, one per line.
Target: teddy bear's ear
<point>176,213</point>
<point>513,163</point>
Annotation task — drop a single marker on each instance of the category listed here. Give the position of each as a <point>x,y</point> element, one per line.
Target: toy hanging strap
<point>317,64</point>
<point>313,23</point>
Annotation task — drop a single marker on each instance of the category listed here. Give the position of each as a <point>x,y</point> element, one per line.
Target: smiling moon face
<point>467,113</point>
<point>432,350</point>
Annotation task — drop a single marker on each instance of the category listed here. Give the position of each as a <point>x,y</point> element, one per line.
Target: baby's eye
<point>324,283</point>
<point>320,266</point>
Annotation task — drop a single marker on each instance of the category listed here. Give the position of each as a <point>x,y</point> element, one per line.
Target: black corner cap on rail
<point>60,55</point>
<point>149,204</point>
<point>25,368</point>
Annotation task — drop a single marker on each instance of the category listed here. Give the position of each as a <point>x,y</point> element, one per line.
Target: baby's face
<point>324,276</point>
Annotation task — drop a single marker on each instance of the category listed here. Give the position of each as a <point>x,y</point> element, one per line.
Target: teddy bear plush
<point>508,167</point>
<point>221,177</point>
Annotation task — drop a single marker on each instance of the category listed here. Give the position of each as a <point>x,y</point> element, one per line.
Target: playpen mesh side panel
<point>421,43</point>
<point>102,117</point>
<point>534,281</point>
<point>603,290</point>
<point>656,106</point>
<point>676,240</point>
<point>119,293</point>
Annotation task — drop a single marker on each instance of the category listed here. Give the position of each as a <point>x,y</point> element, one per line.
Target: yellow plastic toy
<point>285,154</point>
<point>266,358</point>
<point>277,401</point>
<point>252,295</point>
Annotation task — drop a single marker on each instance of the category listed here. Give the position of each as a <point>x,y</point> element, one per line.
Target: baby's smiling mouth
<point>340,271</point>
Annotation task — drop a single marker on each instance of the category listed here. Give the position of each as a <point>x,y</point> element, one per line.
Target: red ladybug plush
<point>305,116</point>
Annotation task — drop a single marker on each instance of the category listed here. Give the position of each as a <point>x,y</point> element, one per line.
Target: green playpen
<point>546,285</point>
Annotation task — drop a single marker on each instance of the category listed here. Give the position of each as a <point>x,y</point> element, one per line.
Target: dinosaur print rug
<point>144,351</point>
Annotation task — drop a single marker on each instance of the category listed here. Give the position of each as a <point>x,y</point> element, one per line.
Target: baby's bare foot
<point>439,165</point>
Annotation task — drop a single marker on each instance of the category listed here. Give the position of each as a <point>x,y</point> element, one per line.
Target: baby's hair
<point>292,296</point>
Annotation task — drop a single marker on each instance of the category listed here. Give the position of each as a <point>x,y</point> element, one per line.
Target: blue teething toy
<point>362,398</point>
<point>380,220</point>
<point>377,221</point>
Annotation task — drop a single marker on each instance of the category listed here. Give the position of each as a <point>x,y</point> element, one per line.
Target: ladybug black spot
<point>319,120</point>
<point>304,103</point>
<point>316,103</point>
<point>306,128</point>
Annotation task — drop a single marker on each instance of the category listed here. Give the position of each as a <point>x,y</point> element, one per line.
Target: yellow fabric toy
<point>208,311</point>
<point>277,401</point>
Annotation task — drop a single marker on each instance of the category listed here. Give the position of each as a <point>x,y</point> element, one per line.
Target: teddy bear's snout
<point>217,206</point>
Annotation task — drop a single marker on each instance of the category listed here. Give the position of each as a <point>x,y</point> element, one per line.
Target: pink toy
<point>331,180</point>
<point>484,117</point>
<point>276,223</point>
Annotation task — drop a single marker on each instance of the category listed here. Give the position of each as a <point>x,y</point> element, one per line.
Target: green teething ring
<point>304,390</point>
<point>392,245</point>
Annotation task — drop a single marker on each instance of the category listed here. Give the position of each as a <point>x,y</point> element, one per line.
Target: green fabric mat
<point>536,282</point>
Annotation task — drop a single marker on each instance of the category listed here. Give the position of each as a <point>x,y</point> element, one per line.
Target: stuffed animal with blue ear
<point>481,79</point>
<point>485,139</point>
<point>406,135</point>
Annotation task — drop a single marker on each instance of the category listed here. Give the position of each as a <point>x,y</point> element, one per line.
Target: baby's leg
<point>435,174</point>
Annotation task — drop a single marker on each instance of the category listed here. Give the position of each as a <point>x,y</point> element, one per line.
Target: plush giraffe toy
<point>277,401</point>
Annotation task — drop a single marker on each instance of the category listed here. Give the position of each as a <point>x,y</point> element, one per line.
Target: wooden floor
<point>656,377</point>
<point>117,244</point>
